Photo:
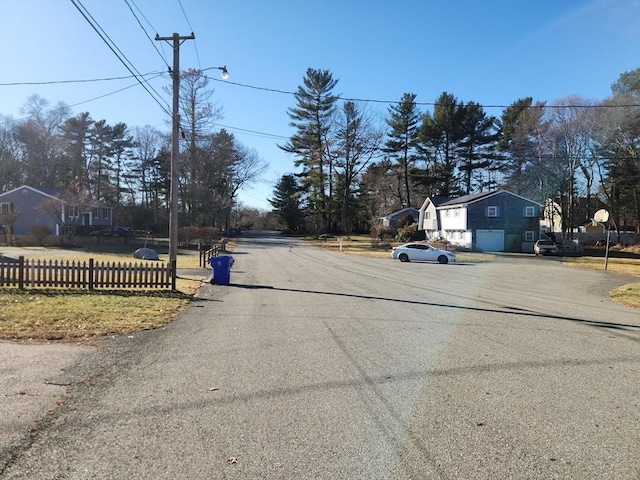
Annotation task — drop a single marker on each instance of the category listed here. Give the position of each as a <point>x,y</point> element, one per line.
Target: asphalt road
<point>318,365</point>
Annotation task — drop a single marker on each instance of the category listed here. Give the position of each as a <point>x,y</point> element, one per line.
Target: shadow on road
<point>507,309</point>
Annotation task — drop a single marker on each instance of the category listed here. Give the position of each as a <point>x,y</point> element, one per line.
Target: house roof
<point>436,200</point>
<point>48,192</point>
<point>42,191</point>
<point>475,197</point>
<point>401,211</point>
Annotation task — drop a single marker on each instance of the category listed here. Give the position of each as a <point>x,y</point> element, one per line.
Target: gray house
<point>25,204</point>
<point>393,218</point>
<point>497,221</point>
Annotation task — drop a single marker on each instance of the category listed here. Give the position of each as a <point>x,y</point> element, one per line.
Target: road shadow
<point>507,309</point>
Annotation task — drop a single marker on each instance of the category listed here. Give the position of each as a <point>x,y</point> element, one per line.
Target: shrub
<point>40,232</point>
<point>378,234</point>
<point>404,234</point>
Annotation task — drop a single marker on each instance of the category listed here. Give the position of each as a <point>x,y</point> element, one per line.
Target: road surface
<point>318,365</point>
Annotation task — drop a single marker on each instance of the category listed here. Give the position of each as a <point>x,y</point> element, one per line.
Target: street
<point>318,365</point>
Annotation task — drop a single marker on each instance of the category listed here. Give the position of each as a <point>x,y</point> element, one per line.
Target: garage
<point>490,240</point>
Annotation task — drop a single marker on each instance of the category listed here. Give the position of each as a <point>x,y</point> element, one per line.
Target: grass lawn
<point>78,316</point>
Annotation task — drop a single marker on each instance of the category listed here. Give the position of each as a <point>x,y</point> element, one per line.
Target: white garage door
<point>490,240</point>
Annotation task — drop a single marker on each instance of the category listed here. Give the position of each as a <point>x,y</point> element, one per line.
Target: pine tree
<point>404,120</point>
<point>287,203</point>
<point>313,119</point>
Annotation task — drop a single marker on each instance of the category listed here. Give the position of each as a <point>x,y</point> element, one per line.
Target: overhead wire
<point>391,102</point>
<point>153,43</point>
<point>119,55</point>
<point>195,45</point>
<point>88,80</point>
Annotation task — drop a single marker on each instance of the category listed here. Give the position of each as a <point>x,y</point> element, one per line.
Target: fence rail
<point>88,275</point>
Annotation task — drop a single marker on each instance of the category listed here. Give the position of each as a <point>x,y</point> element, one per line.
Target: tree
<point>440,133</point>
<point>100,166</point>
<point>150,151</point>
<point>122,148</point>
<point>313,119</point>
<point>476,148</point>
<point>196,169</point>
<point>10,153</point>
<point>403,121</point>
<point>39,136</point>
<point>358,142</point>
<point>571,131</point>
<point>618,149</point>
<point>286,203</point>
<point>522,128</point>
<point>246,169</point>
<point>76,134</point>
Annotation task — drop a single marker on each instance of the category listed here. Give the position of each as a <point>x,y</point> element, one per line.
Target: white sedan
<point>422,252</point>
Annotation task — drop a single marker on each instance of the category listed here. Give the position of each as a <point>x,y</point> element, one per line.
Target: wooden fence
<point>85,275</point>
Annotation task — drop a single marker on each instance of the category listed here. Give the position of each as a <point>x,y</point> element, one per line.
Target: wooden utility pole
<point>176,40</point>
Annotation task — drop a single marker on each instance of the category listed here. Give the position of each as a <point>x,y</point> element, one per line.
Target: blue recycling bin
<point>221,269</point>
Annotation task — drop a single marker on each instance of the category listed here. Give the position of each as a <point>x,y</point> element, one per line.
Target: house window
<point>427,215</point>
<point>6,208</point>
<point>456,212</point>
<point>74,212</point>
<point>492,211</point>
<point>102,212</point>
<point>528,236</point>
<point>529,211</point>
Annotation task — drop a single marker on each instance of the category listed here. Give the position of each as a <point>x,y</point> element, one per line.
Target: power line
<point>54,82</point>
<point>144,30</point>
<point>253,132</point>
<point>195,46</point>
<point>392,102</point>
<point>120,56</point>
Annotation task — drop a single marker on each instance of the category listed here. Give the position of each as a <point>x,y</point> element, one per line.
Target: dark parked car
<point>115,231</point>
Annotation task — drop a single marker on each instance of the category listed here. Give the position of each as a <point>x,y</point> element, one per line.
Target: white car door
<point>422,252</point>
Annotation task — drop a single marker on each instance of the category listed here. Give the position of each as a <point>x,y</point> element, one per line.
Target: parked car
<point>422,252</point>
<point>115,231</point>
<point>545,247</point>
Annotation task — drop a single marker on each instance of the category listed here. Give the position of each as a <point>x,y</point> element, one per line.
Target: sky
<point>492,52</point>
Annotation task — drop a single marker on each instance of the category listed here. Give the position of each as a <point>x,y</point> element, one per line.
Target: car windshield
<point>545,242</point>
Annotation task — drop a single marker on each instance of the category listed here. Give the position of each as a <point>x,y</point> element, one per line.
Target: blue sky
<point>492,52</point>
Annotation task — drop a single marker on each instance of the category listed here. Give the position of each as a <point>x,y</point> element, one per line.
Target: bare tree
<point>358,144</point>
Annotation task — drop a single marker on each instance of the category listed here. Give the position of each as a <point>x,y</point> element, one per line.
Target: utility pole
<point>176,40</point>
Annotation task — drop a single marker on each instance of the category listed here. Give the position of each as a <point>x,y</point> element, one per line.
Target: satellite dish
<point>601,216</point>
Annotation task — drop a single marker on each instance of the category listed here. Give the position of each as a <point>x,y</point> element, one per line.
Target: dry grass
<point>621,260</point>
<point>84,317</point>
<point>628,295</point>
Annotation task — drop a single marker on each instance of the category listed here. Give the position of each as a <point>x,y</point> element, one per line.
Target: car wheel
<point>443,259</point>
<point>404,257</point>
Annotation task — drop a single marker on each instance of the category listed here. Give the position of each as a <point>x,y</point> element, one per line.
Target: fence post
<point>21,272</point>
<point>91,272</point>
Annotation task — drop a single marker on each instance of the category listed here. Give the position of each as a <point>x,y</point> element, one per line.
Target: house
<point>25,204</point>
<point>583,210</point>
<point>393,218</point>
<point>430,216</point>
<point>495,221</point>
